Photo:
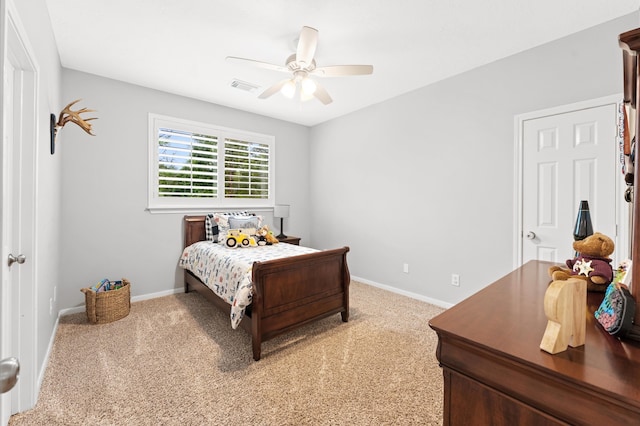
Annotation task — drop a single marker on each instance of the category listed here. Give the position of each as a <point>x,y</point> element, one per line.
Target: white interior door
<point>6,347</point>
<point>567,157</point>
<point>17,292</point>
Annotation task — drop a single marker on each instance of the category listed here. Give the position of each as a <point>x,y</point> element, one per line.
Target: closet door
<point>568,157</point>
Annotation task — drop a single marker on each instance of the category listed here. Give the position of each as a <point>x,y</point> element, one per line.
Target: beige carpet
<point>176,361</point>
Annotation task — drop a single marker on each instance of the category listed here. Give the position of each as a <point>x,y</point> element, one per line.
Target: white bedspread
<point>227,271</point>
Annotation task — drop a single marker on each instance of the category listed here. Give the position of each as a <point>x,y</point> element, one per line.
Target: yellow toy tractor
<point>240,238</point>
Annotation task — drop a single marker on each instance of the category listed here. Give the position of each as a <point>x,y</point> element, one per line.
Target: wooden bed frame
<point>287,293</point>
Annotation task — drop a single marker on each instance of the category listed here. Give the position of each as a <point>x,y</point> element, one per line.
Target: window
<point>201,166</point>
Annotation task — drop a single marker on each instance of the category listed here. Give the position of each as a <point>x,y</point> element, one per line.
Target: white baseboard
<point>77,309</point>
<point>45,361</point>
<point>417,296</point>
<point>158,294</point>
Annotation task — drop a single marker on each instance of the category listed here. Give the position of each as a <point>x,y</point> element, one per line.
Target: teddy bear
<point>265,237</point>
<point>591,264</point>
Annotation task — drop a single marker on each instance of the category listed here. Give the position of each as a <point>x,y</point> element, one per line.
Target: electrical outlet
<point>405,268</point>
<point>455,280</point>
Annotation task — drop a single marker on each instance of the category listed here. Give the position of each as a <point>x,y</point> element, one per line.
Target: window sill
<point>205,210</point>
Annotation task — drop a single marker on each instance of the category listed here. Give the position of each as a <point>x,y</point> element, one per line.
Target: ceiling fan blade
<point>307,44</point>
<point>273,89</point>
<point>257,63</point>
<point>341,70</point>
<point>322,95</point>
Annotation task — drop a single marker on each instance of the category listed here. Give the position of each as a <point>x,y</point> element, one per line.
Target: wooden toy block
<point>565,303</point>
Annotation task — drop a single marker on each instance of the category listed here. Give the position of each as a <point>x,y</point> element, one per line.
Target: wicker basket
<point>108,306</point>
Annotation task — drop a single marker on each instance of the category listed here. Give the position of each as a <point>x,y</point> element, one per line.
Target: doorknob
<point>9,369</point>
<point>531,235</point>
<point>12,259</point>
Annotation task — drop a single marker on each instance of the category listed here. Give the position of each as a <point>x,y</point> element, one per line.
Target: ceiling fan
<point>302,65</point>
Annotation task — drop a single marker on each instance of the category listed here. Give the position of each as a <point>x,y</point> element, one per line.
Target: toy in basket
<point>107,301</point>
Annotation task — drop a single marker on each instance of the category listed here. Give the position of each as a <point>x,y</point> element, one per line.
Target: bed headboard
<point>194,229</point>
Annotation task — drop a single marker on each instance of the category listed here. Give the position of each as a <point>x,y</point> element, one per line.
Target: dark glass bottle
<point>583,227</point>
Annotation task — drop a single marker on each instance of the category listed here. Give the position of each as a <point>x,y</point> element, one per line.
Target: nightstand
<point>290,240</point>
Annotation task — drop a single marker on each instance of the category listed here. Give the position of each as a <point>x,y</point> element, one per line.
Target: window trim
<point>157,204</point>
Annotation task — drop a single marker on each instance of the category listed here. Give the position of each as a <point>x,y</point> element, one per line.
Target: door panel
<point>7,314</point>
<point>19,154</point>
<point>567,157</point>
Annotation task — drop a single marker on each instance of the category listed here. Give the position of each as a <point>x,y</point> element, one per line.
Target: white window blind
<point>246,168</point>
<point>187,164</point>
<point>197,166</point>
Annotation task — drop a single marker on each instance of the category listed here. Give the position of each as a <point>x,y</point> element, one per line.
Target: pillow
<point>234,221</point>
<point>211,228</point>
<point>244,222</point>
<point>217,222</point>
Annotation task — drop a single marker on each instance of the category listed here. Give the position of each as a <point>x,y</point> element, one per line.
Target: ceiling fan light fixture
<point>289,89</point>
<point>304,97</point>
<point>302,64</point>
<point>308,86</point>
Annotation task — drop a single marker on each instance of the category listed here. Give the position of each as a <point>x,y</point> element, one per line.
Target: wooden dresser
<point>496,374</point>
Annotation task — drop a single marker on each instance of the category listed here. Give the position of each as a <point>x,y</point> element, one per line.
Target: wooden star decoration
<point>585,268</point>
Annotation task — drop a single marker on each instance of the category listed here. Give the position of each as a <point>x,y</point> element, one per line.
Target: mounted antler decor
<point>66,116</point>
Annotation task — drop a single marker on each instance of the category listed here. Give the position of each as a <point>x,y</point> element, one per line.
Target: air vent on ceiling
<point>244,85</point>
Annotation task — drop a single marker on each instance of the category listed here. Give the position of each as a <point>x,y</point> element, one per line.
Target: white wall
<point>106,230</point>
<point>427,178</point>
<point>35,20</point>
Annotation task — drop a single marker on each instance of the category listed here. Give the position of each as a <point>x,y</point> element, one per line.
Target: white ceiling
<point>179,46</point>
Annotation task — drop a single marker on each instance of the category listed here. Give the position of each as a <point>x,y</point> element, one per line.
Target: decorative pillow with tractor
<point>591,264</point>
<point>241,238</point>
